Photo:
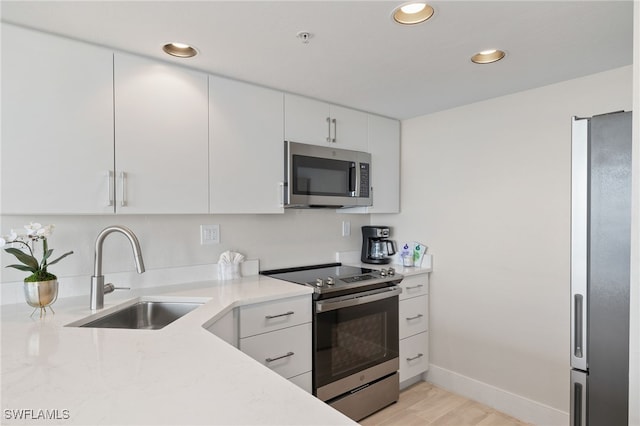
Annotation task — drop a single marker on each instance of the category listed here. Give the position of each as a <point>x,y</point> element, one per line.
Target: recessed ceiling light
<point>412,13</point>
<point>488,56</point>
<point>181,50</point>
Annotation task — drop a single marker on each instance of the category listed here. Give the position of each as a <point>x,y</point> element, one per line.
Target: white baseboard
<point>515,405</point>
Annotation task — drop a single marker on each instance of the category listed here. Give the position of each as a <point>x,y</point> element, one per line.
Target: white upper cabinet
<point>319,123</point>
<point>246,147</point>
<point>384,146</point>
<point>161,137</point>
<point>57,124</point>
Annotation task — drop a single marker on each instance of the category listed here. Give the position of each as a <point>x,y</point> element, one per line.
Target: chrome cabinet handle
<point>279,315</point>
<point>335,130</point>
<point>416,317</point>
<point>123,179</point>
<point>415,357</point>
<point>414,286</point>
<point>288,354</point>
<point>110,188</point>
<point>281,193</point>
<point>329,129</point>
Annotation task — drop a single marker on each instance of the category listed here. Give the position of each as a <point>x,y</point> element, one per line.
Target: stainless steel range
<point>355,334</point>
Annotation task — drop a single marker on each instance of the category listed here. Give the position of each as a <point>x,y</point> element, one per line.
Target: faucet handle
<point>109,288</point>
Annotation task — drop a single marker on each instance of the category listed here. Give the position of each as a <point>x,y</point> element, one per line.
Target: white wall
<point>295,238</point>
<point>487,187</point>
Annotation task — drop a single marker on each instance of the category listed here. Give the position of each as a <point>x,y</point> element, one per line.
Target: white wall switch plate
<point>346,228</point>
<point>209,234</point>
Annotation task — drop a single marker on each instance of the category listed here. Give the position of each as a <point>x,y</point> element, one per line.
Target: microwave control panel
<point>364,180</point>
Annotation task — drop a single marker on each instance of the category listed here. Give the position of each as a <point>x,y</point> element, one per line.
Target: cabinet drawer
<point>414,356</point>
<point>287,351</point>
<point>416,285</point>
<point>270,316</point>
<point>413,318</point>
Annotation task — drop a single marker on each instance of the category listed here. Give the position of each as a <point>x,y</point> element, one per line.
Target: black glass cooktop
<point>335,277</point>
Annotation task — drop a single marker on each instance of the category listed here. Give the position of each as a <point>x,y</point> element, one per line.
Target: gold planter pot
<point>41,294</point>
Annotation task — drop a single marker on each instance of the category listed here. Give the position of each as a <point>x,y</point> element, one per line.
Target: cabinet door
<point>384,146</point>
<point>274,315</point>
<point>246,148</point>
<point>305,120</point>
<point>414,356</point>
<point>286,351</point>
<point>414,316</point>
<point>349,129</point>
<point>57,124</point>
<point>161,134</point>
<point>416,285</point>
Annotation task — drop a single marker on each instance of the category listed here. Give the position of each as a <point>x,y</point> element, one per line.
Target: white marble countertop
<point>179,375</point>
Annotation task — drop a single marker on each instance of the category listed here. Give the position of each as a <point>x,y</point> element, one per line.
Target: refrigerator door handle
<point>579,230</point>
<point>578,415</point>
<point>578,326</point>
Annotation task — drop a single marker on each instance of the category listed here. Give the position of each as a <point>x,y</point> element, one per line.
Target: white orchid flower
<point>32,228</point>
<point>3,242</point>
<point>13,235</point>
<point>49,230</point>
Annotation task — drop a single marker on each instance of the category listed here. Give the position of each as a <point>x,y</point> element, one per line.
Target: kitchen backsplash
<point>173,241</point>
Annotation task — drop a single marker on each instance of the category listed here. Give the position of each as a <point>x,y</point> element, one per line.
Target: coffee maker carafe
<point>376,247</point>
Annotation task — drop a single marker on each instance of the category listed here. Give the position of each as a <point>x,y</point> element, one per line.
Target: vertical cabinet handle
<point>329,129</point>
<point>123,180</point>
<point>281,193</point>
<point>110,192</point>
<point>335,130</point>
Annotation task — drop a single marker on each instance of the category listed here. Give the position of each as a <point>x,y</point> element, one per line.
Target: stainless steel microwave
<point>322,176</point>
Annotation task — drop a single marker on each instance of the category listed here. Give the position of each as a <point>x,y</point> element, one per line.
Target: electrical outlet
<point>346,228</point>
<point>209,234</point>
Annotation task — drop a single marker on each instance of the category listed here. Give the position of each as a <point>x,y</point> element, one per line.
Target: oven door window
<point>352,339</point>
<point>322,176</point>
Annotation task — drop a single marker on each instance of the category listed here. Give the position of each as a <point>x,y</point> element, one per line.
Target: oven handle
<point>357,299</point>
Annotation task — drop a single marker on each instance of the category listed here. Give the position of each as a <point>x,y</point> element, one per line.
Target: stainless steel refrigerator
<point>600,269</point>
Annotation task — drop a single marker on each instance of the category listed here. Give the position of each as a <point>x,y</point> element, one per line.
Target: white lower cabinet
<point>413,326</point>
<point>286,351</point>
<point>303,381</point>
<point>414,356</point>
<point>225,327</point>
<point>278,335</point>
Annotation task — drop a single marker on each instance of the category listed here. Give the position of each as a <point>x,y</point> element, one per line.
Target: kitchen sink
<point>142,315</point>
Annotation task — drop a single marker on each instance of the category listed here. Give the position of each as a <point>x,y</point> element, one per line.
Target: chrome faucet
<point>98,287</point>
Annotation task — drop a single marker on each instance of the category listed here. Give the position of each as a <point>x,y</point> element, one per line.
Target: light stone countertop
<point>179,375</point>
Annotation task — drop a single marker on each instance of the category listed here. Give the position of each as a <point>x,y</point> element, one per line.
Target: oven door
<point>355,341</point>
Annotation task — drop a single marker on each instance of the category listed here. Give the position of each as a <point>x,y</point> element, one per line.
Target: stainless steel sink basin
<point>144,315</point>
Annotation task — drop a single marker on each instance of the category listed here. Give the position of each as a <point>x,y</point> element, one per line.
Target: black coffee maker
<point>376,247</point>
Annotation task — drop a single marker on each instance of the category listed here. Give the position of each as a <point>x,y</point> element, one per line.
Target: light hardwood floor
<point>426,404</point>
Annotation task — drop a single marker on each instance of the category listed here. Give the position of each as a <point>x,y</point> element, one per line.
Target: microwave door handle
<point>353,180</point>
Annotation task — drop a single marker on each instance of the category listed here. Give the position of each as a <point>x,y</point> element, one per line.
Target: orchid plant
<point>25,254</point>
